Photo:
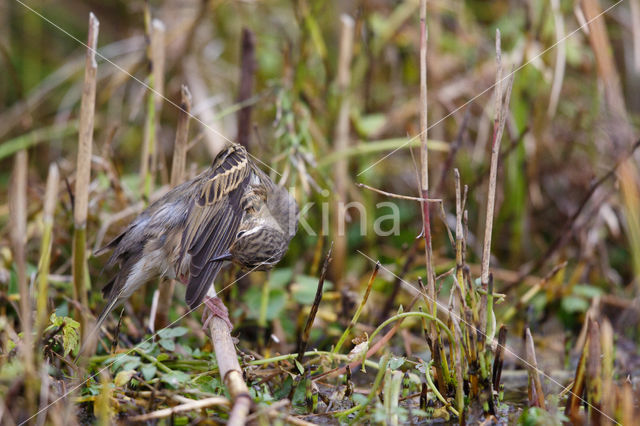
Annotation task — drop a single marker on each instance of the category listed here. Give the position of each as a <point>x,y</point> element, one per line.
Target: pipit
<point>232,211</point>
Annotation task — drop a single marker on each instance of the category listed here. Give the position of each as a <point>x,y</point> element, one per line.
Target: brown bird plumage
<point>232,211</point>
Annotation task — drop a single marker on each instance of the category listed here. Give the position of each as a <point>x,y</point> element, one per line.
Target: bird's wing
<point>214,219</point>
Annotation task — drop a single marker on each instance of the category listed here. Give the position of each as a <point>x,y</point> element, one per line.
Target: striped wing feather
<point>214,220</point>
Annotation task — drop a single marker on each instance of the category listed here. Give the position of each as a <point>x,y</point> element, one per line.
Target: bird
<point>232,212</point>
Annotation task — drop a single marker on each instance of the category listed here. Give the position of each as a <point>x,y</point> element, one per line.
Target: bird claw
<point>214,307</point>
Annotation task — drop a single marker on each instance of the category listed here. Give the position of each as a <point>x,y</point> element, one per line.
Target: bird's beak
<point>224,256</point>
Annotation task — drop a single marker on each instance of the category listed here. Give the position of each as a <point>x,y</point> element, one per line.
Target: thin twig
<point>189,406</point>
<point>304,338</point>
<point>402,197</point>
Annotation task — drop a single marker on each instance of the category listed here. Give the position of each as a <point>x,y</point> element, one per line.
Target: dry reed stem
<point>561,58</point>
<point>18,214</point>
<point>230,371</point>
<point>501,112</point>
<point>50,199</point>
<point>594,373</point>
<point>207,120</point>
<point>534,376</point>
<point>424,159</point>
<point>166,287</point>
<point>400,196</point>
<point>341,173</point>
<point>608,358</point>
<point>187,406</point>
<point>601,45</point>
<point>245,89</point>
<point>83,172</point>
<point>572,407</point>
<point>635,31</point>
<point>156,55</point>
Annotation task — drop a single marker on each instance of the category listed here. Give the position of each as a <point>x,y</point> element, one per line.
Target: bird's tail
<point>96,328</point>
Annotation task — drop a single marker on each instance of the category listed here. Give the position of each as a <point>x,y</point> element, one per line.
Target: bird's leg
<point>215,308</point>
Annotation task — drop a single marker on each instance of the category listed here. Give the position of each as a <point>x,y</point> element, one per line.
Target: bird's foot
<point>215,308</point>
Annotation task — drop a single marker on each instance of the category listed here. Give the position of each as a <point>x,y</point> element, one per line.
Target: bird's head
<point>259,247</point>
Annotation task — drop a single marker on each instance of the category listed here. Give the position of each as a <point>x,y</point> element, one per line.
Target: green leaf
<point>279,278</point>
<point>359,398</point>
<point>574,304</point>
<point>305,287</point>
<point>253,299</point>
<point>586,290</point>
<point>175,378</point>
<point>285,389</point>
<point>300,394</point>
<point>132,364</point>
<point>169,333</point>
<point>395,363</point>
<point>299,366</point>
<point>369,124</point>
<point>149,371</point>
<point>118,361</point>
<point>167,344</point>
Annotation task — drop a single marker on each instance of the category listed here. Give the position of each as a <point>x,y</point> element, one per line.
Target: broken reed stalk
<point>459,236</point>
<point>342,85</point>
<point>50,199</point>
<point>594,374</point>
<point>572,408</point>
<point>245,90</point>
<point>18,213</point>
<point>608,404</point>
<point>83,175</point>
<point>535,386</point>
<point>303,340</point>
<point>155,30</point>
<point>499,358</point>
<point>230,371</point>
<point>166,287</point>
<point>356,315</point>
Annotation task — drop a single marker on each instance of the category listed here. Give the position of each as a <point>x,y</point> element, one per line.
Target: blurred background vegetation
<point>573,111</point>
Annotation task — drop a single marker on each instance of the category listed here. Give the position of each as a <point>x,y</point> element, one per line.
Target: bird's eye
<point>240,234</point>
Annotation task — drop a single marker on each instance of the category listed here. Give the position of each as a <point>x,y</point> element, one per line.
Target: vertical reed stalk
<point>343,83</point>
<point>156,55</point>
<point>459,238</point>
<point>245,89</point>
<point>166,287</point>
<point>83,174</point>
<point>18,212</point>
<point>501,112</point>
<point>50,199</point>
<point>424,163</point>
